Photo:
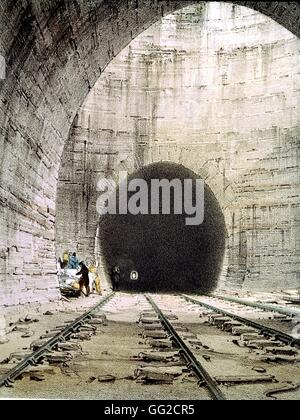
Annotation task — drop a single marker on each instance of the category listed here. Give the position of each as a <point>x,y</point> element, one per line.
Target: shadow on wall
<point>169,255</point>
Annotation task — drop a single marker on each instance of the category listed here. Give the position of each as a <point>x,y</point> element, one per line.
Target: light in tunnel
<point>165,253</point>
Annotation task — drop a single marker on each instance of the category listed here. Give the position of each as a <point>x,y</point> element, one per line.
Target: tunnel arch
<point>43,45</point>
<point>168,254</point>
<point>223,199</point>
<point>240,256</point>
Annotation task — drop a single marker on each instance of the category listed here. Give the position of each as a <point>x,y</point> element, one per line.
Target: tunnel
<point>168,254</point>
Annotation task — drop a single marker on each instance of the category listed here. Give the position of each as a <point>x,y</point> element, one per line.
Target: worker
<point>84,281</point>
<point>95,278</point>
<point>65,260</point>
<point>115,277</point>
<point>98,284</point>
<point>73,262</point>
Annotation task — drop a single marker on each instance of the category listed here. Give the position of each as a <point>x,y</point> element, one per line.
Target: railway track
<point>63,335</point>
<point>101,360</point>
<point>263,329</point>
<point>257,305</point>
<point>216,364</point>
<point>192,362</point>
<point>174,341</point>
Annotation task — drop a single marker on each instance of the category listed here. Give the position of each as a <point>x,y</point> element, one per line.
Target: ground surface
<point>115,347</point>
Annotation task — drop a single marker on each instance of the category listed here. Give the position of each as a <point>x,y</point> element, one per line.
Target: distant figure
<point>115,277</point>
<point>84,280</point>
<point>73,262</point>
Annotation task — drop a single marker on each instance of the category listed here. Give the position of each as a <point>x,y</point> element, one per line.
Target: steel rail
<point>267,331</point>
<point>35,356</point>
<point>264,306</point>
<point>188,355</point>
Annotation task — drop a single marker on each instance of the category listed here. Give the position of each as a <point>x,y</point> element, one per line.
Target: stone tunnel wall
<point>216,88</point>
<point>55,51</point>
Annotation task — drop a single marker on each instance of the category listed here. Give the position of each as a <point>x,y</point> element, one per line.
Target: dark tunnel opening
<point>168,254</point>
